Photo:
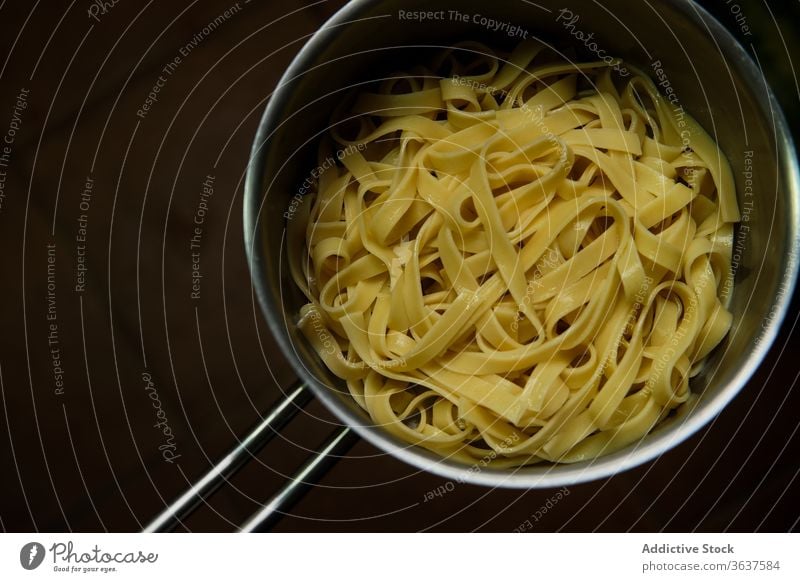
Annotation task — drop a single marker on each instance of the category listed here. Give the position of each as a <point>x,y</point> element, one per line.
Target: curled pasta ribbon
<point>516,258</point>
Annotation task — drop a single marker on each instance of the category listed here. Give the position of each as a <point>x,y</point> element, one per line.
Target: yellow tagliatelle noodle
<point>516,258</point>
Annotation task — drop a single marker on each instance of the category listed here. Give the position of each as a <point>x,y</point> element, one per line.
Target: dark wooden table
<point>118,388</point>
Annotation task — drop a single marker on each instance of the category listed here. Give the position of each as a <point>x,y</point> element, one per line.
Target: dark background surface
<point>89,458</point>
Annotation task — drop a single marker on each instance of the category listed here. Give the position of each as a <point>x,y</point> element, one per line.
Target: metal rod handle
<point>280,414</point>
<point>338,444</point>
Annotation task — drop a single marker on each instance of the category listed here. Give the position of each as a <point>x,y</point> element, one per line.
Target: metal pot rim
<point>651,447</point>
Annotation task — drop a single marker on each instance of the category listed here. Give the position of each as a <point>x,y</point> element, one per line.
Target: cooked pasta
<point>516,258</point>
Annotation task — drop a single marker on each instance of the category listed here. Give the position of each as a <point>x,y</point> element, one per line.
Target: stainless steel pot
<point>710,75</point>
